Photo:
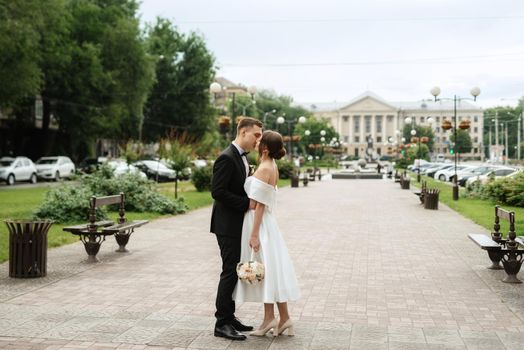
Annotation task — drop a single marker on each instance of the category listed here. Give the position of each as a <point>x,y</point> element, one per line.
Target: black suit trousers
<point>230,253</point>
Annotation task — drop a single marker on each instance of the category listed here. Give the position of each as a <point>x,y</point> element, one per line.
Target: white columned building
<point>371,115</point>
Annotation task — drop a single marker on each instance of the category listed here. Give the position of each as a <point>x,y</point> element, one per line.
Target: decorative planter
<point>28,247</point>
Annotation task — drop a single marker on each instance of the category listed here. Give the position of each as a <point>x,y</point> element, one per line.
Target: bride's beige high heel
<point>262,332</point>
<point>287,325</point>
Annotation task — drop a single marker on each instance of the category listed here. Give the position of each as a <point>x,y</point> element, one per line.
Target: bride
<point>260,232</point>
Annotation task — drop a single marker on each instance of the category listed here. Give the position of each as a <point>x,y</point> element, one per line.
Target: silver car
<point>17,169</point>
<point>54,168</point>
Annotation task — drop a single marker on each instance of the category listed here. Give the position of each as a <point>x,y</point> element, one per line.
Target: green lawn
<point>19,203</point>
<point>479,211</point>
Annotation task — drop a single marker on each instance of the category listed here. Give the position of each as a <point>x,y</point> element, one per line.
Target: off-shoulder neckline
<point>262,182</point>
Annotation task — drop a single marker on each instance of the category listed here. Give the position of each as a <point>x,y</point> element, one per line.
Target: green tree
<point>418,153</point>
<point>102,91</point>
<point>179,99</point>
<point>314,126</point>
<point>267,101</point>
<point>463,143</point>
<point>506,115</point>
<point>421,132</point>
<point>179,158</point>
<point>20,73</point>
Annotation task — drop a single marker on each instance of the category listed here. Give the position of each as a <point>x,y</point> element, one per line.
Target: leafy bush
<point>474,190</point>
<point>70,203</point>
<point>285,168</point>
<point>67,203</point>
<point>403,163</point>
<point>506,190</point>
<point>503,191</point>
<point>201,178</point>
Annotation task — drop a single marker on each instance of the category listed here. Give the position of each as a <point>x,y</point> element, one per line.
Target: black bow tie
<point>244,154</point>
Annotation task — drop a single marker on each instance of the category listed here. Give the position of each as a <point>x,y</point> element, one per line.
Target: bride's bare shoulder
<point>263,173</point>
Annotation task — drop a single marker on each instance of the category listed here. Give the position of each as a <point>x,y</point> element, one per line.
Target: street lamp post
<point>282,120</point>
<point>216,88</point>
<point>272,112</point>
<point>520,120</point>
<point>322,135</point>
<point>446,126</point>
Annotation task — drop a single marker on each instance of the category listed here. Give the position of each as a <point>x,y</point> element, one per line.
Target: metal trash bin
<point>431,199</point>
<point>28,247</point>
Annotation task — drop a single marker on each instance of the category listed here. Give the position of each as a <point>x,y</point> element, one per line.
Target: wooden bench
<point>404,181</point>
<point>397,176</point>
<point>499,249</point>
<point>422,192</point>
<point>93,233</point>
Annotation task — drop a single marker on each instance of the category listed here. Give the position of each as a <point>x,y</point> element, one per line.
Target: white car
<point>199,163</point>
<point>447,174</point>
<point>495,173</point>
<point>54,168</point>
<point>17,169</point>
<point>121,167</point>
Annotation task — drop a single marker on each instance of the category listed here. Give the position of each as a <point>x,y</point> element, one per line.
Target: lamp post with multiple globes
<point>447,125</point>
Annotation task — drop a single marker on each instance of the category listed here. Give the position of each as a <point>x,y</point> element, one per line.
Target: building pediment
<point>368,102</point>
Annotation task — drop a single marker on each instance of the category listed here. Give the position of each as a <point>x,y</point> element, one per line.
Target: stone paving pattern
<point>376,271</point>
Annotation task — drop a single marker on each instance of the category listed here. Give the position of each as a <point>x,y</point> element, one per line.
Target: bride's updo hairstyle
<point>272,140</point>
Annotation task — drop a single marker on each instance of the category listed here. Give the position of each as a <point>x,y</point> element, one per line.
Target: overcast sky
<point>334,50</point>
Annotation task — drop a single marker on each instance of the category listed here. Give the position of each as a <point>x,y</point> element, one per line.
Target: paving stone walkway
<point>376,271</point>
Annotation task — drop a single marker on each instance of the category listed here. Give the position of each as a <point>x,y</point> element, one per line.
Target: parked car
<point>481,170</point>
<point>155,169</point>
<point>54,168</point>
<point>447,174</point>
<point>121,167</point>
<point>440,157</point>
<point>431,167</point>
<point>200,163</point>
<point>17,169</point>
<point>496,173</point>
<point>89,165</point>
<point>432,171</point>
<point>422,167</point>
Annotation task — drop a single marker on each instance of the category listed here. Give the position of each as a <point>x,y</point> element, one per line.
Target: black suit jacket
<point>227,188</point>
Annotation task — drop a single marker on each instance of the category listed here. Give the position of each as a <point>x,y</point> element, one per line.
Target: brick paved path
<point>376,270</point>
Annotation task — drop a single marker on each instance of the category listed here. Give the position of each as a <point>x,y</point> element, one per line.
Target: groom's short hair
<point>248,122</point>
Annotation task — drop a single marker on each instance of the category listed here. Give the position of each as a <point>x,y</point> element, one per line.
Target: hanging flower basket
<point>446,125</point>
<point>239,118</point>
<point>424,139</point>
<point>414,139</point>
<point>464,125</point>
<point>224,120</point>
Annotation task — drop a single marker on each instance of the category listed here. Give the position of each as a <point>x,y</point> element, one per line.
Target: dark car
<point>90,165</point>
<point>156,170</point>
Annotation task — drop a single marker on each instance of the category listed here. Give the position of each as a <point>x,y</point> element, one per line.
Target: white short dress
<point>280,282</point>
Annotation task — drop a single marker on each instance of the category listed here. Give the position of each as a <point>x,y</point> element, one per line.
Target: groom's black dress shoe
<point>240,327</point>
<point>229,332</point>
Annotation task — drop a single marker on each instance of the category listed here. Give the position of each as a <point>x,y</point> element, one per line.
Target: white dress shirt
<point>244,157</point>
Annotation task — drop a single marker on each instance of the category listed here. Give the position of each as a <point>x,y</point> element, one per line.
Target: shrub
<point>285,168</point>
<point>503,191</point>
<point>67,203</point>
<point>70,203</point>
<point>507,190</point>
<point>201,178</point>
<point>474,190</point>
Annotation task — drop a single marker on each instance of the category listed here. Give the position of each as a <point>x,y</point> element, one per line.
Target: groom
<point>231,202</point>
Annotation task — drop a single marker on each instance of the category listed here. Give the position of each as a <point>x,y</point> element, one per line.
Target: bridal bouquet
<point>251,271</point>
